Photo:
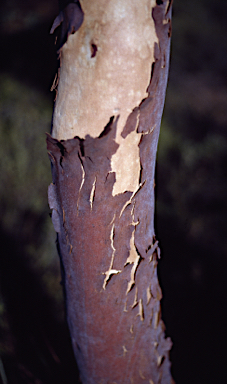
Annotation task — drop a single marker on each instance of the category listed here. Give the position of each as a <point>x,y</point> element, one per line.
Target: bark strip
<point>102,201</point>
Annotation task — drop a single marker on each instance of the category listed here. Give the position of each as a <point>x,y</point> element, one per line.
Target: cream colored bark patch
<point>126,163</point>
<point>105,71</point>
<point>112,78</point>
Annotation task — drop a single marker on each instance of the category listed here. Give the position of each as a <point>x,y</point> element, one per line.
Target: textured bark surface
<point>102,201</point>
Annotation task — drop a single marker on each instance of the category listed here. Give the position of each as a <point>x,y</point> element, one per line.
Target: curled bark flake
<point>108,126</point>
<point>70,19</point>
<point>131,123</point>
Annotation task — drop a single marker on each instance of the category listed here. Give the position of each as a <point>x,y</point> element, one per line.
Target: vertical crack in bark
<point>81,185</point>
<point>134,258</point>
<point>156,318</point>
<point>129,201</point>
<point>141,310</point>
<point>92,194</point>
<point>160,360</point>
<point>134,223</point>
<point>168,5</point>
<point>135,302</point>
<point>124,350</point>
<point>149,294</point>
<point>141,375</point>
<point>151,249</point>
<point>110,272</point>
<point>114,216</point>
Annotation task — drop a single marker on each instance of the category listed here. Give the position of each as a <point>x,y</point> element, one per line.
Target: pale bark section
<point>126,164</point>
<point>112,82</point>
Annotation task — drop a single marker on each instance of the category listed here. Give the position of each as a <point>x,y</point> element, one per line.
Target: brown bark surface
<point>107,241</point>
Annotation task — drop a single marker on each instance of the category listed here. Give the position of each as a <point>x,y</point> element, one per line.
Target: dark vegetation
<point>191,198</point>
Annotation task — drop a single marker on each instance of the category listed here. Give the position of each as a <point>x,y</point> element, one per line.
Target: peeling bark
<point>103,147</point>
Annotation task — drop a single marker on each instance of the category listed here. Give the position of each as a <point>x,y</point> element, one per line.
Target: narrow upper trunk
<point>106,123</point>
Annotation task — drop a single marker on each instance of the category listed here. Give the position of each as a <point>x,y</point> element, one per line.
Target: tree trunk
<point>106,122</point>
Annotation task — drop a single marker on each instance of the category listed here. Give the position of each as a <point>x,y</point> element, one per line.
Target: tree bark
<point>106,122</point>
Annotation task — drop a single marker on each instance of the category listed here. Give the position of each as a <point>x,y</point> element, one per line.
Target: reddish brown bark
<point>107,242</point>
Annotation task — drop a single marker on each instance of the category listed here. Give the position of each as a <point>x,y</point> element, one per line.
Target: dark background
<point>191,209</point>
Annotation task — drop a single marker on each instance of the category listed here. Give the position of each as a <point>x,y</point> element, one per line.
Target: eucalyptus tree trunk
<point>114,58</point>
